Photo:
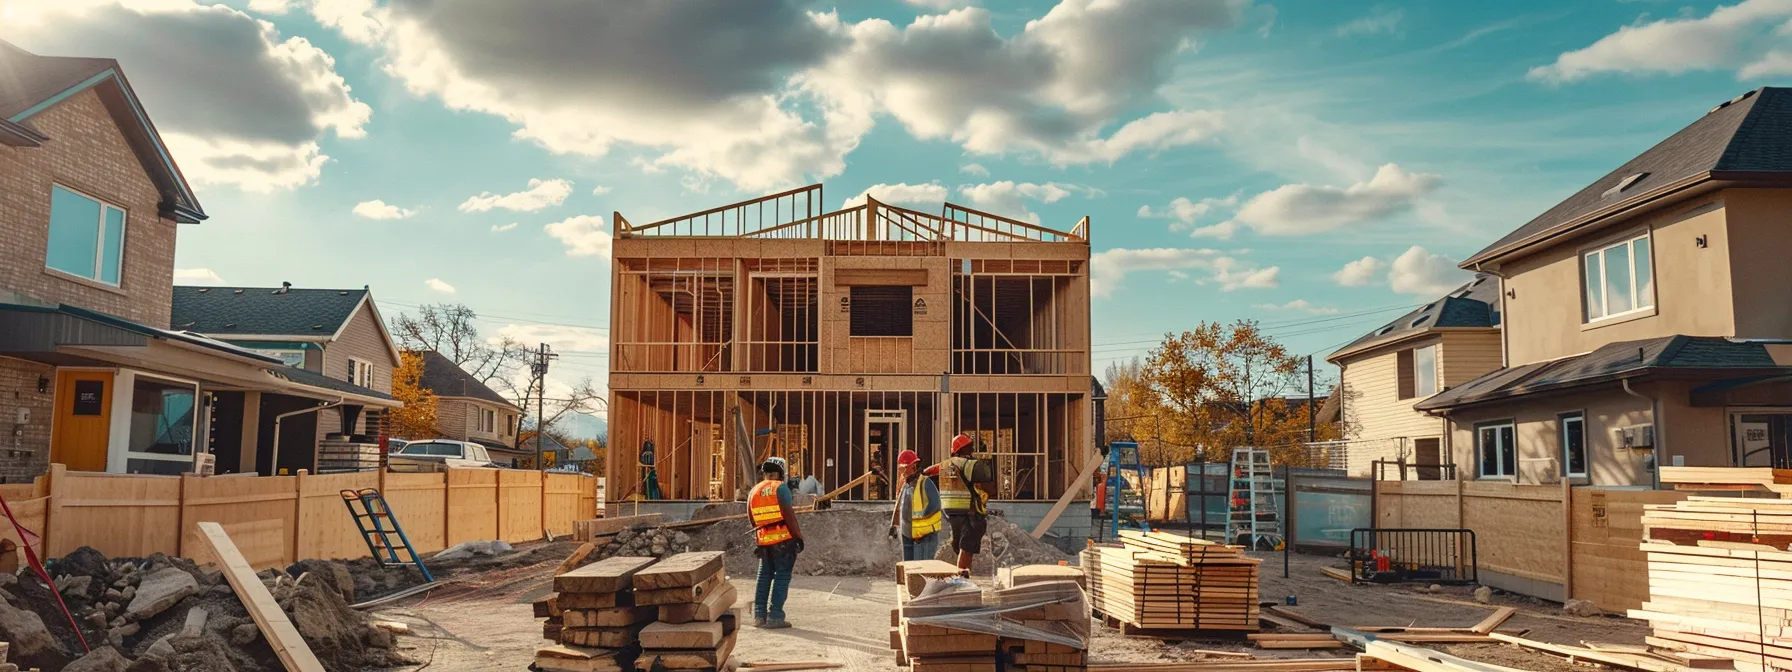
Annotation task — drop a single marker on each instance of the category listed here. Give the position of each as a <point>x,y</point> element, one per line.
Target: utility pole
<point>539,367</point>
<point>1312,428</point>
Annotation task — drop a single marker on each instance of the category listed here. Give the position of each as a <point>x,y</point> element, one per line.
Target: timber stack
<point>696,628</point>
<point>1720,580</point>
<point>1164,581</point>
<point>593,618</point>
<point>943,623</point>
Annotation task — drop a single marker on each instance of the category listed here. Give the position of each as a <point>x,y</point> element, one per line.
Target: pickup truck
<point>436,454</point>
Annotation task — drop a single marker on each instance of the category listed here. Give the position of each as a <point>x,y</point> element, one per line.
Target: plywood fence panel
<point>1417,504</point>
<point>326,530</point>
<point>1518,529</point>
<point>519,511</point>
<point>122,516</point>
<point>472,505</point>
<point>1609,568</point>
<point>420,503</point>
<point>565,497</point>
<point>263,510</point>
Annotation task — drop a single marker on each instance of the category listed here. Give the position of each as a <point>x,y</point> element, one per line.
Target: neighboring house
<point>337,333</point>
<point>1444,343</point>
<point>92,375</point>
<point>468,410</point>
<point>1646,317</point>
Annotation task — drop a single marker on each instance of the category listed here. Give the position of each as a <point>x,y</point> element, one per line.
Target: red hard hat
<point>907,457</point>
<point>960,441</point>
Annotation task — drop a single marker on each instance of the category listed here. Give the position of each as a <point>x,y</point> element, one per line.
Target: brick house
<point>469,410</point>
<point>91,373</point>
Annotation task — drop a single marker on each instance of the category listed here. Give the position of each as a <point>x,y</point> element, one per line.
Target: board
<point>712,607</point>
<point>684,569</point>
<point>281,635</point>
<point>604,576</point>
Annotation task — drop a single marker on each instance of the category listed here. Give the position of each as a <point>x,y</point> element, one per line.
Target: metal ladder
<point>1126,497</point>
<point>378,535</point>
<point>1255,516</point>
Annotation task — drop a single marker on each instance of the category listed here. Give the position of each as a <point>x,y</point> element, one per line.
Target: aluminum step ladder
<point>377,524</point>
<point>1254,518</point>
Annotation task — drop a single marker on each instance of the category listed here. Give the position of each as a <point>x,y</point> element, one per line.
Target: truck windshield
<point>431,448</point>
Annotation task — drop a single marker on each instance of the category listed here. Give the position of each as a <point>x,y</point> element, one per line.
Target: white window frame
<point>1642,303</point>
<point>361,372</point>
<point>1579,419</point>
<point>126,454</point>
<point>99,241</point>
<point>1511,470</point>
<point>1418,389</point>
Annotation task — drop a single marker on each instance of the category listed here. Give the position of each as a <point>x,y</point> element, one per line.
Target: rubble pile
<point>161,613</point>
<point>646,542</point>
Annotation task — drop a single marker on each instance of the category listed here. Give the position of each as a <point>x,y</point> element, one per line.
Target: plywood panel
<point>519,514</point>
<point>1609,568</point>
<point>235,501</point>
<point>326,529</point>
<point>118,515</point>
<point>1519,535</point>
<point>472,505</point>
<point>564,495</point>
<point>420,503</point>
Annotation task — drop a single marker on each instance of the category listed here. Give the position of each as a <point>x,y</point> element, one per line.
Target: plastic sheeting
<point>1045,611</point>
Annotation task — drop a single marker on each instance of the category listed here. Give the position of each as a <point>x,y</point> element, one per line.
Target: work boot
<point>775,625</point>
<point>758,621</point>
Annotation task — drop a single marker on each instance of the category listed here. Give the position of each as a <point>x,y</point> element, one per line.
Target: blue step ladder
<point>368,517</point>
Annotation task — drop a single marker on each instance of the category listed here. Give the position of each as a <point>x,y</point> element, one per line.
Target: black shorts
<point>967,532</point>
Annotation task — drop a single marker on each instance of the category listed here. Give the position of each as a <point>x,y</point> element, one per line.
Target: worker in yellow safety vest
<point>964,498</point>
<point>917,516</point>
<point>780,540</point>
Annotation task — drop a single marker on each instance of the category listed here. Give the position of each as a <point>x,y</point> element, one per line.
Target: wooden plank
<point>1628,661</point>
<point>1492,622</point>
<point>578,557</point>
<point>613,617</point>
<point>604,576</point>
<point>682,594</point>
<point>294,654</point>
<point>684,569</point>
<point>713,606</point>
<point>695,635</point>
<point>1090,465</point>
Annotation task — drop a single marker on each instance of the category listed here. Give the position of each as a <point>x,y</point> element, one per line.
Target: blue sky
<point>1317,166</point>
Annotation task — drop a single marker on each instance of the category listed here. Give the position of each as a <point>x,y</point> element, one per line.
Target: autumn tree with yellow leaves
<point>417,419</point>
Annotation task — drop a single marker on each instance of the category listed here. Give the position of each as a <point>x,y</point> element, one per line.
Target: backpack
<point>980,471</point>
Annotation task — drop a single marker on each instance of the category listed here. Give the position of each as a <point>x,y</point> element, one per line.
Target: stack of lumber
<point>924,647</point>
<point>1040,623</point>
<point>339,455</point>
<point>1728,478</point>
<point>593,618</point>
<point>1045,624</point>
<point>1720,581</point>
<point>1164,581</point>
<point>696,629</point>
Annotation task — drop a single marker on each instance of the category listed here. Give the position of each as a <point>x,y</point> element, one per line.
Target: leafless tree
<point>448,328</point>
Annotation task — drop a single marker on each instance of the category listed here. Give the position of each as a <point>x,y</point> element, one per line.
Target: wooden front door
<point>83,422</point>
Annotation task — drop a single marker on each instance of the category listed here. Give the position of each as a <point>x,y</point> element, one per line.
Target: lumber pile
<point>1728,478</point>
<point>943,623</point>
<point>593,619</point>
<point>1720,580</point>
<point>697,628</point>
<point>1164,581</point>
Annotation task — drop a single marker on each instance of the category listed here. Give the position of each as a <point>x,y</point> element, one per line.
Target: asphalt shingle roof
<point>441,376</point>
<point>318,380</point>
<point>263,311</point>
<point>1474,304</point>
<point>1752,133</point>
<point>27,79</point>
<point>1611,361</point>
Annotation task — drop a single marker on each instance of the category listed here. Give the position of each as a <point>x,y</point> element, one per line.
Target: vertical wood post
<point>56,486</point>
<point>1459,505</point>
<point>544,504</point>
<point>183,517</point>
<point>447,498</point>
<point>1567,538</point>
<point>298,513</point>
<point>498,492</point>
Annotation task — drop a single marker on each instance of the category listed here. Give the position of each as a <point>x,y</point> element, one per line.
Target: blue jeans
<point>775,565</point>
<point>921,549</point>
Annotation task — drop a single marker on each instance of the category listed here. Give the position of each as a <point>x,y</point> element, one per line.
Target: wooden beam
<point>1093,462</point>
<point>294,654</point>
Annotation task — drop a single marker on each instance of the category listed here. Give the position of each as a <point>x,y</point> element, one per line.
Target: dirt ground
<point>484,621</point>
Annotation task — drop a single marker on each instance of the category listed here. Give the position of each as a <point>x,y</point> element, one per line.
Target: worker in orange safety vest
<point>780,540</point>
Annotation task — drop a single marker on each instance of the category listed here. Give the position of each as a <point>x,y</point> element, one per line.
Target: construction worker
<point>780,540</point>
<point>963,480</point>
<point>917,515</point>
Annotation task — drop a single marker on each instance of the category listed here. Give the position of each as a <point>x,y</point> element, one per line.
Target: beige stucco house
<point>1646,321</point>
<point>1443,343</point>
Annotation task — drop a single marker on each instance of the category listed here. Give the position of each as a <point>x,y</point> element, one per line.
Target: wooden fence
<point>1586,550</point>
<point>277,520</point>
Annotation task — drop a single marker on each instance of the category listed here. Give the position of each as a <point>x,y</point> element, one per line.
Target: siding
<point>468,425</point>
<point>363,340</point>
<point>452,418</point>
<point>1539,443</point>
<point>1381,424</point>
<point>1467,355</point>
<point>86,152</point>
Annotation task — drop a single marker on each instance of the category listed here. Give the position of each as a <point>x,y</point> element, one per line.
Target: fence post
<point>498,504</point>
<point>1567,538</point>
<point>182,519</point>
<point>298,512</point>
<point>447,498</point>
<point>545,533</point>
<point>52,506</point>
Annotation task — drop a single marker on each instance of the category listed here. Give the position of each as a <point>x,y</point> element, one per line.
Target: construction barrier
<point>277,520</point>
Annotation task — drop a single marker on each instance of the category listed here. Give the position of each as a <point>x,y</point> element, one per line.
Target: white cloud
<point>583,235</point>
<point>1417,271</point>
<point>1009,199</point>
<point>1749,36</point>
<point>599,190</point>
<point>1380,20</point>
<point>938,4</point>
<point>197,276</point>
<point>1300,209</point>
<point>269,6</point>
<point>437,285</point>
<point>237,103</point>
<point>974,169</point>
<point>563,338</point>
<point>1109,268</point>
<point>901,194</point>
<point>1184,213</point>
<point>540,194</point>
<point>1360,273</point>
<point>1301,305</point>
<point>378,209</point>
<point>500,228</point>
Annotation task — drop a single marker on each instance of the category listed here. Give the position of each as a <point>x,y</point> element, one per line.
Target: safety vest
<point>921,524</point>
<point>768,516</point>
<point>956,494</point>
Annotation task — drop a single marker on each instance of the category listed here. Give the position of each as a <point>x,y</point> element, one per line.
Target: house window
<point>86,236</point>
<point>509,425</point>
<point>1619,279</point>
<point>292,358</point>
<point>882,311</point>
<point>1574,444</point>
<point>1496,449</point>
<point>360,373</point>
<point>487,421</point>
<point>1417,372</point>
<point>161,429</point>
